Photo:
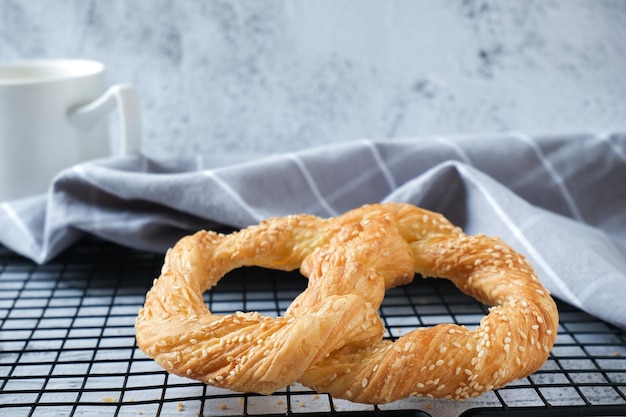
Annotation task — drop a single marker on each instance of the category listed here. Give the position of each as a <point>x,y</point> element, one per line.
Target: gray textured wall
<point>261,76</point>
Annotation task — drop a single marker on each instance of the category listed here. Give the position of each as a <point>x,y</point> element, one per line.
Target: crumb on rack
<point>181,407</point>
<point>223,407</point>
<point>110,399</point>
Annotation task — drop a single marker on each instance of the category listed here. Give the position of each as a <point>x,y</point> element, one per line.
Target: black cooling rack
<point>67,346</point>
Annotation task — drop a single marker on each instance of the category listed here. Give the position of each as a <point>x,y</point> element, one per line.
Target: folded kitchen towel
<point>558,199</point>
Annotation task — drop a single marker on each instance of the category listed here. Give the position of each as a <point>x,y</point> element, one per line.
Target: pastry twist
<point>331,337</point>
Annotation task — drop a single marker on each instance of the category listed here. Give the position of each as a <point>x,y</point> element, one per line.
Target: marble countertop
<point>244,76</point>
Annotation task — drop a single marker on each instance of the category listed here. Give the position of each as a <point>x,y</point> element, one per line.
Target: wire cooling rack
<point>67,346</point>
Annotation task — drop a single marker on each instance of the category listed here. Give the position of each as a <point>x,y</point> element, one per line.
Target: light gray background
<point>265,76</point>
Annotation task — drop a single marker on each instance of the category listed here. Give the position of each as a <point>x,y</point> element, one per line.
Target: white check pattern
<point>560,200</point>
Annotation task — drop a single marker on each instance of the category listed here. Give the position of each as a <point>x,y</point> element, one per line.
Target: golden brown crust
<point>331,337</point>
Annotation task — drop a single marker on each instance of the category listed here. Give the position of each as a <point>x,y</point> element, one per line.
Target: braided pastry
<point>331,337</point>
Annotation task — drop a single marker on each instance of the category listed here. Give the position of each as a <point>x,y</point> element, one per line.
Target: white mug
<point>53,115</point>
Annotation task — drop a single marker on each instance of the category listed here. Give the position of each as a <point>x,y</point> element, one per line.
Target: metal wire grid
<point>67,346</point>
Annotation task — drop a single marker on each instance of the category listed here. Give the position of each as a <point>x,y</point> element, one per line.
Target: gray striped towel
<point>559,199</point>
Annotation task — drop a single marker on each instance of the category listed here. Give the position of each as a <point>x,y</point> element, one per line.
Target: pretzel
<point>331,337</point>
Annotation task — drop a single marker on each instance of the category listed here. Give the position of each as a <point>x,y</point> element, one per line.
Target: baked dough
<point>331,337</point>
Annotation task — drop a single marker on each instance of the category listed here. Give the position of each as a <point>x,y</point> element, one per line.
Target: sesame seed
<point>439,362</point>
<point>440,387</point>
<point>364,382</point>
<point>189,372</point>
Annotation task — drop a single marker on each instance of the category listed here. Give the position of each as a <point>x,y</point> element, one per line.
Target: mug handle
<point>124,96</point>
